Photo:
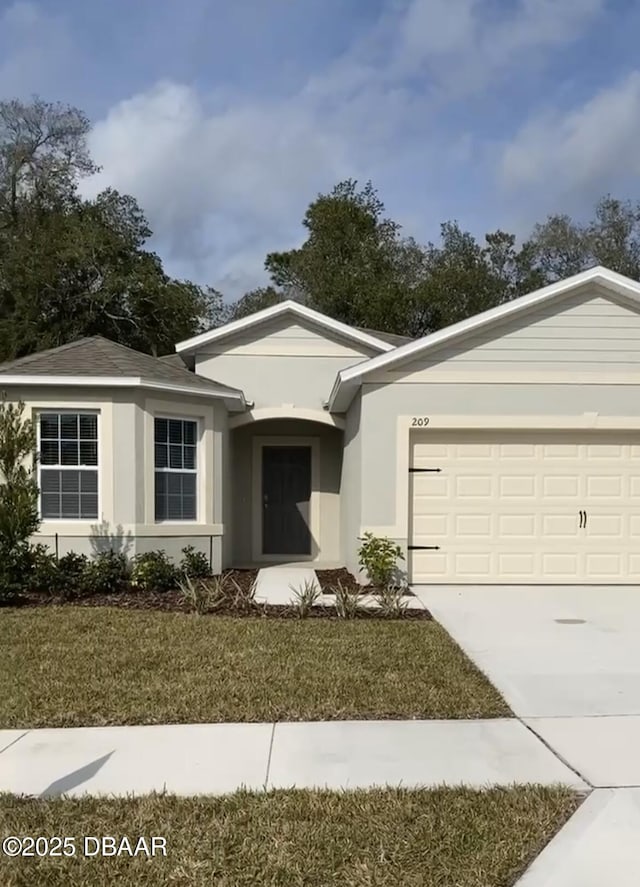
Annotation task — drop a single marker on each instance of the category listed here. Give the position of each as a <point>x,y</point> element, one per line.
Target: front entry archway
<point>286,476</point>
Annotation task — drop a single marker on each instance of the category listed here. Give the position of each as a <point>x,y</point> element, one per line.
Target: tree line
<point>72,267</point>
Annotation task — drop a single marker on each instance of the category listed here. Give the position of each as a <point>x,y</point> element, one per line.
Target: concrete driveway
<point>562,651</point>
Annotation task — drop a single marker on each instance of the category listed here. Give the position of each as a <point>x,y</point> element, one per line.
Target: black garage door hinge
<point>423,547</point>
<point>416,470</point>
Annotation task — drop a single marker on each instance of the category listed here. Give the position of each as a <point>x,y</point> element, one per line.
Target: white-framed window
<point>68,467</point>
<point>176,469</point>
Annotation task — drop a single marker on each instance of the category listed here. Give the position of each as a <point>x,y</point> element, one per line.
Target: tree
<point>71,267</point>
<point>560,246</point>
<point>19,518</point>
<point>254,300</point>
<point>43,151</point>
<point>348,266</point>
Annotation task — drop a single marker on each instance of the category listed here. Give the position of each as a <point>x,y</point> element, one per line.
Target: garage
<point>524,507</point>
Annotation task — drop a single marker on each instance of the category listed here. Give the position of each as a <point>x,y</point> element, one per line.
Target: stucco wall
<point>244,484</point>
<point>126,471</point>
<point>281,363</point>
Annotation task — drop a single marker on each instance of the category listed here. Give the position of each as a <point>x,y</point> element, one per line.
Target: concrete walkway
<point>598,845</point>
<point>275,585</point>
<point>221,758</point>
<point>566,660</point>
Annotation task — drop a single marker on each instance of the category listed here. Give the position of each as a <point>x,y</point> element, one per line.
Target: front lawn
<point>73,666</point>
<point>387,838</point>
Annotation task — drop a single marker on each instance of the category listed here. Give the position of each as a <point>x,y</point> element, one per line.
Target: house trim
<point>234,400</point>
<point>282,308</point>
<point>286,412</point>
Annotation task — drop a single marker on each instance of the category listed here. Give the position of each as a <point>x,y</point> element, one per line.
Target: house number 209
<point>419,421</point>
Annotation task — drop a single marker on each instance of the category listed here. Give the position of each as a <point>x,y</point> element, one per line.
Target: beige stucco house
<point>505,448</point>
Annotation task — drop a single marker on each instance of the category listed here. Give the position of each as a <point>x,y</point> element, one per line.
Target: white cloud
<point>465,44</point>
<point>587,149</point>
<point>223,186</point>
<point>224,179</point>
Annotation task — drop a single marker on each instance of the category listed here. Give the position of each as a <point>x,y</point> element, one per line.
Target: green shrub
<point>379,556</point>
<point>153,571</point>
<point>73,568</point>
<point>194,564</point>
<point>45,576</point>
<point>15,572</point>
<point>107,573</point>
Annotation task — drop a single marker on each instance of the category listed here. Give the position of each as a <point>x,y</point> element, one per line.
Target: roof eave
<point>234,400</point>
<point>348,380</point>
<point>188,346</point>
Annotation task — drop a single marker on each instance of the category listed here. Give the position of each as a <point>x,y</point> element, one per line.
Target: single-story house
<point>505,448</point>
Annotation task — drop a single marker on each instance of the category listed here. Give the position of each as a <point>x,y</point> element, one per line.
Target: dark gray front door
<point>286,493</point>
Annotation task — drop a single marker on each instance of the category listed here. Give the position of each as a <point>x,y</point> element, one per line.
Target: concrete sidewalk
<point>221,758</point>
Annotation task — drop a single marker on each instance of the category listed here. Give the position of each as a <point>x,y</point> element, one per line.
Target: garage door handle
<point>583,519</point>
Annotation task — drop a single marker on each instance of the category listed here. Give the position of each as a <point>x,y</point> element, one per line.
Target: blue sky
<point>225,119</point>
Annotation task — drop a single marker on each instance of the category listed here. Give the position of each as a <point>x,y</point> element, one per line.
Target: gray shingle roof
<point>96,356</point>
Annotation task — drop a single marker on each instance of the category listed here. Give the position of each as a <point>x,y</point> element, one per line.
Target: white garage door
<point>525,507</point>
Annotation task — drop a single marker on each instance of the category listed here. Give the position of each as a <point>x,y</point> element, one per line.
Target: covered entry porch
<point>286,477</point>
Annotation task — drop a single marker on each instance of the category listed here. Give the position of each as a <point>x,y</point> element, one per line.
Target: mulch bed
<point>172,602</point>
<point>328,579</point>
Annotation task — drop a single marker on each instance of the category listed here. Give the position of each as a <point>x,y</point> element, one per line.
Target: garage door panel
<point>432,526</point>
<point>604,486</point>
<point>562,451</point>
<point>473,525</point>
<point>473,451</point>
<point>517,525</point>
<point>607,525</point>
<point>555,526</point>
<point>521,564</point>
<point>561,486</point>
<point>477,486</point>
<point>475,564</point>
<point>508,507</point>
<point>518,486</point>
<point>560,563</point>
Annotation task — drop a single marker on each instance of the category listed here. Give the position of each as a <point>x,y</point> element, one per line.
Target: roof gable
<point>295,311</point>
<point>614,285</point>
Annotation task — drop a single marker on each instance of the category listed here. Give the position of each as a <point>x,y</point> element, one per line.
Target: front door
<point>286,494</point>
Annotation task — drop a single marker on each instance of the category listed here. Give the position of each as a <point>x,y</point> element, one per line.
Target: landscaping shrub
<point>107,573</point>
<point>153,571</point>
<point>203,595</point>
<point>73,569</point>
<point>45,575</point>
<point>347,601</point>
<point>379,556</point>
<point>15,572</point>
<point>305,596</point>
<point>393,603</point>
<point>194,564</point>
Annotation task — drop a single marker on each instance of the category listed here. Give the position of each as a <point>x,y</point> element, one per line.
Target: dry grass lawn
<point>71,666</point>
<point>393,838</point>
